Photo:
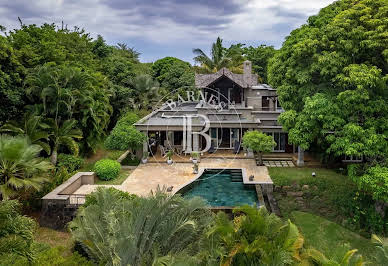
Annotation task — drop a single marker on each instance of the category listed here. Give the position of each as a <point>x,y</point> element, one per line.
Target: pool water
<point>223,188</point>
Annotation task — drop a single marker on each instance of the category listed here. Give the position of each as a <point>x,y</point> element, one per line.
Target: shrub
<point>117,195</point>
<point>71,162</point>
<point>128,119</point>
<point>124,137</point>
<point>130,161</point>
<point>107,169</point>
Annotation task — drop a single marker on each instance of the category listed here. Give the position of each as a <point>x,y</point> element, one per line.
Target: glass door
<point>235,137</point>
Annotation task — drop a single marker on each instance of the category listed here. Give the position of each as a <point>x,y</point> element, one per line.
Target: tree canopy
<point>331,76</point>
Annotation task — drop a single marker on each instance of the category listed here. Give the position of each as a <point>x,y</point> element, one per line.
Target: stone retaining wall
<point>57,208</point>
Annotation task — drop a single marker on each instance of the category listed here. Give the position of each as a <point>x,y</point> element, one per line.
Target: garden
<point>68,103</point>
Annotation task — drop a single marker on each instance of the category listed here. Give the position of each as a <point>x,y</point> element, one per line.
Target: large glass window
<point>280,139</point>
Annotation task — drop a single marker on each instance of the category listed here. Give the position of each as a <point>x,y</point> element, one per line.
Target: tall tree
<point>259,56</point>
<point>217,59</point>
<point>11,83</point>
<point>331,75</point>
<point>145,92</point>
<point>20,167</point>
<point>63,134</point>
<point>173,73</point>
<point>66,93</point>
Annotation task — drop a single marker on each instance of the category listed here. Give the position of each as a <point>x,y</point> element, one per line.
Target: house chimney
<point>247,76</point>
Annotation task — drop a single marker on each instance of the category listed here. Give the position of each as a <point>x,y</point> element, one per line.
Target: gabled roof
<point>205,80</point>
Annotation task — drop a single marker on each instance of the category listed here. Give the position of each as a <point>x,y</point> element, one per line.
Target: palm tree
<point>344,257</point>
<point>20,167</point>
<point>116,230</point>
<point>129,52</point>
<point>33,127</point>
<point>216,61</point>
<point>256,238</point>
<point>145,93</point>
<point>63,135</point>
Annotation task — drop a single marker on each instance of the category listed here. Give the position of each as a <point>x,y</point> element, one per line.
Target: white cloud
<point>167,24</point>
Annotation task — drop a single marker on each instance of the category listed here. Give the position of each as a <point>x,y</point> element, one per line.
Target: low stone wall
<point>59,206</point>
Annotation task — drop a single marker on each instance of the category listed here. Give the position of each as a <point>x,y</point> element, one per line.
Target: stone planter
<point>144,161</point>
<point>194,160</point>
<point>169,161</point>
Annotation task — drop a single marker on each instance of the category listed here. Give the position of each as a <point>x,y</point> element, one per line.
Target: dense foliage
<point>16,231</point>
<point>70,162</point>
<point>259,57</point>
<point>258,142</point>
<point>20,166</point>
<point>121,231</point>
<point>173,73</point>
<point>107,169</point>
<point>331,76</point>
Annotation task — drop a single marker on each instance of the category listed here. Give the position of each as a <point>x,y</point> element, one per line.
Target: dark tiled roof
<point>204,80</point>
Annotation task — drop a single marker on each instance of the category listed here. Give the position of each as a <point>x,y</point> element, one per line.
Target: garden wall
<point>60,205</point>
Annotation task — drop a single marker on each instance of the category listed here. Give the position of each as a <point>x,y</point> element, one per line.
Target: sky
<point>159,28</point>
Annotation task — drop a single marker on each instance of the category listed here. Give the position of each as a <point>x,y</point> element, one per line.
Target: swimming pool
<point>222,187</point>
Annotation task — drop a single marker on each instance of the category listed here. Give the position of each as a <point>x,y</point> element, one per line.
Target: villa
<point>230,105</point>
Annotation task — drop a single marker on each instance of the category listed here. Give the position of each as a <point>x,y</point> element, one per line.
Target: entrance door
<point>224,135</point>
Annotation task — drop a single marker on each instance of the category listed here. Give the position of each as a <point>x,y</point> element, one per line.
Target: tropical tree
<point>255,237</point>
<point>259,56</point>
<point>128,52</point>
<point>145,92</point>
<point>258,142</point>
<point>11,82</point>
<point>16,232</point>
<point>65,93</point>
<point>331,77</point>
<point>20,166</point>
<point>115,230</point>
<point>217,59</point>
<point>33,127</point>
<point>63,135</point>
<point>173,73</point>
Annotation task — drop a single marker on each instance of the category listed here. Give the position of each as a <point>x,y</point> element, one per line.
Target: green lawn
<point>117,181</point>
<point>327,195</point>
<point>288,176</point>
<point>101,153</point>
<point>55,239</point>
<point>328,237</point>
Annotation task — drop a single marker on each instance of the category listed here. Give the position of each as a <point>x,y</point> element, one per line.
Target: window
<point>265,103</point>
<point>178,137</point>
<point>280,139</point>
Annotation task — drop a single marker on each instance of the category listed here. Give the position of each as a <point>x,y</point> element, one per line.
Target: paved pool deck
<point>147,177</point>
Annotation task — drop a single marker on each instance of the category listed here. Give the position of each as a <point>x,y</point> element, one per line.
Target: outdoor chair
<point>162,150</point>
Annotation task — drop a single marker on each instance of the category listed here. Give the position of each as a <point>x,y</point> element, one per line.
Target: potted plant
<point>195,168</point>
<point>145,157</point>
<point>169,157</point>
<point>194,157</point>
